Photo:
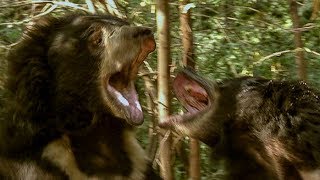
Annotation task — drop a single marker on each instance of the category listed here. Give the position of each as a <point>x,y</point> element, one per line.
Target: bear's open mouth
<point>120,85</point>
<point>192,94</point>
<point>122,88</point>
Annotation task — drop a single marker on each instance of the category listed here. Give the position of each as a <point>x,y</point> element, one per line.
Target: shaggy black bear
<point>263,129</point>
<point>70,104</point>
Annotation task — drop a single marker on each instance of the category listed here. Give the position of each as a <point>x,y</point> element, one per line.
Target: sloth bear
<point>70,105</point>
<point>262,129</point>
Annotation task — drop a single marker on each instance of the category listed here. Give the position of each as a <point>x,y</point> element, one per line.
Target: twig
<point>271,55</point>
<point>146,74</point>
<point>113,9</point>
<point>283,52</point>
<point>91,7</point>
<point>64,3</point>
<point>312,52</point>
<point>147,65</point>
<point>306,27</point>
<point>55,5</point>
<point>7,47</point>
<point>157,156</point>
<point>16,4</point>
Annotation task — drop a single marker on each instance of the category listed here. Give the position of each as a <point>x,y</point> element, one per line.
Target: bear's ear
<point>95,40</point>
<point>39,28</point>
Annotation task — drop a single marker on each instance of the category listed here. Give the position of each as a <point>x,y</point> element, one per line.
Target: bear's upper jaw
<point>147,45</point>
<point>192,94</point>
<point>120,85</point>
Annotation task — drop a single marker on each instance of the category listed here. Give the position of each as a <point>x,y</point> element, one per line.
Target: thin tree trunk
<point>194,160</point>
<point>181,151</point>
<point>151,95</point>
<point>188,60</point>
<point>228,13</point>
<point>315,9</point>
<point>300,60</point>
<point>163,86</point>
<point>187,38</point>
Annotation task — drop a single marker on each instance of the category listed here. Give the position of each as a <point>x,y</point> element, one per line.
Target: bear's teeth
<point>138,105</point>
<point>121,99</point>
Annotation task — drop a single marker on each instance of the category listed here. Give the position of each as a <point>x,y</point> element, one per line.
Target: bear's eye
<point>96,38</point>
<point>98,41</point>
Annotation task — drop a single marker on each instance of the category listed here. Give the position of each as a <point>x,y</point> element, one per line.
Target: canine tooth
<point>138,105</point>
<point>121,98</point>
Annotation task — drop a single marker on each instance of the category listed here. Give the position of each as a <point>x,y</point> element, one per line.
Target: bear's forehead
<point>108,20</point>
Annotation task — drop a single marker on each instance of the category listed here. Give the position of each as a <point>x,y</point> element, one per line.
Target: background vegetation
<point>231,38</point>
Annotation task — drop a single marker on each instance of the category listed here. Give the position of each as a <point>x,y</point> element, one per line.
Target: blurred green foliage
<point>231,38</point>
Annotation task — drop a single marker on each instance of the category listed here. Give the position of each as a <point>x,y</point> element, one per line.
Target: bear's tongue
<point>128,98</point>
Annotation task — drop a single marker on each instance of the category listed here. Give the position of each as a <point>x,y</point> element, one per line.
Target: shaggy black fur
<point>70,104</point>
<point>264,129</point>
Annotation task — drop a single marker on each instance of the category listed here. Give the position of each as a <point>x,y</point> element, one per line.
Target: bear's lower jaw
<point>127,101</point>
